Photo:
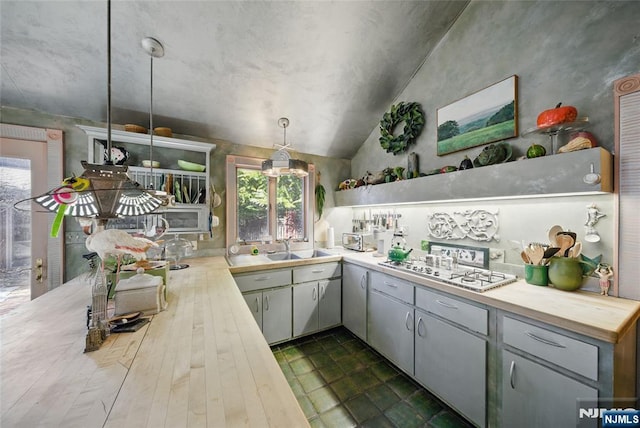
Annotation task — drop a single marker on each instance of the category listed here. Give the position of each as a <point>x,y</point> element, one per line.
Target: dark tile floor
<point>341,382</point>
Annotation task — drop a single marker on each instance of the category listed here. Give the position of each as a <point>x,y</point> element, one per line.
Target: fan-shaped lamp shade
<point>110,194</point>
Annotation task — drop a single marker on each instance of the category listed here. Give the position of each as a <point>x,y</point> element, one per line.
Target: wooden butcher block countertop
<point>204,362</point>
<point>201,363</point>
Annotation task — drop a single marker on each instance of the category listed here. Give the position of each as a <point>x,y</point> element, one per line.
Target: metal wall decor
<point>478,224</point>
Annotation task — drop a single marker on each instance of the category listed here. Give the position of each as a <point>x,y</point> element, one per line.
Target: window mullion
<point>273,204</point>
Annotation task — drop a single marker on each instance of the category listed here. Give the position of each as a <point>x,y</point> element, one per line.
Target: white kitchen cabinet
<point>451,363</point>
<point>268,296</point>
<point>450,360</point>
<point>316,306</point>
<point>545,370</point>
<point>316,272</point>
<point>354,299</point>
<point>254,302</point>
<point>272,311</point>
<point>262,279</point>
<point>190,188</point>
<point>390,329</point>
<point>537,396</point>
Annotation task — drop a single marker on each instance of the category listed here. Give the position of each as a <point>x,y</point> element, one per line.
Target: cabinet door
<point>354,299</point>
<point>316,272</point>
<point>390,330</point>
<point>329,303</point>
<point>254,301</point>
<point>452,364</point>
<point>305,308</point>
<point>536,396</point>
<point>392,286</point>
<point>263,279</point>
<point>276,314</point>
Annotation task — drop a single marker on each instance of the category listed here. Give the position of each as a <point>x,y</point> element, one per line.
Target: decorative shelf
<point>189,214</point>
<point>552,175</point>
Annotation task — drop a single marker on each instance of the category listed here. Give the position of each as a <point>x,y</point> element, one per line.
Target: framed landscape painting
<point>481,118</point>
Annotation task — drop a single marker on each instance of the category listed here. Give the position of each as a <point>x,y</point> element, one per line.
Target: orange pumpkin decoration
<point>557,116</point>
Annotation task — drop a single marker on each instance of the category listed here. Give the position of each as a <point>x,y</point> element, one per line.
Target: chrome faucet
<point>287,244</point>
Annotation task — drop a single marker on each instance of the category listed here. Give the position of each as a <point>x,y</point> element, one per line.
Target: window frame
<point>244,162</point>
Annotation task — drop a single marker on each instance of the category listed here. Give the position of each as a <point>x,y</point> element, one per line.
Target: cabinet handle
<point>545,341</point>
<point>363,280</point>
<point>420,321</point>
<point>446,305</point>
<point>406,321</point>
<point>314,293</point>
<point>266,300</point>
<point>390,284</point>
<point>512,371</point>
<point>257,305</point>
<point>262,278</point>
<point>323,289</point>
<point>317,271</point>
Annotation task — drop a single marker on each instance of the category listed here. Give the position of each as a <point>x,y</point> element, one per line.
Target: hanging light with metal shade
<point>154,48</point>
<point>103,191</point>
<point>281,162</point>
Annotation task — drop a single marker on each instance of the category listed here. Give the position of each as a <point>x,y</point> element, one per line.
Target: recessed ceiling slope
<point>230,67</point>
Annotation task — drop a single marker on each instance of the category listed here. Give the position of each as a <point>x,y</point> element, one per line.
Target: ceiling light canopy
<point>281,162</point>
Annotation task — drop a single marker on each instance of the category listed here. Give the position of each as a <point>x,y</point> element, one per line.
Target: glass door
<point>23,233</point>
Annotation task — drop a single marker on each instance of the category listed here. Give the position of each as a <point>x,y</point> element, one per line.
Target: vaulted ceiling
<point>230,69</point>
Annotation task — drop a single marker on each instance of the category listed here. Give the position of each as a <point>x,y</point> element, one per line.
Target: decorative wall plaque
<point>479,225</point>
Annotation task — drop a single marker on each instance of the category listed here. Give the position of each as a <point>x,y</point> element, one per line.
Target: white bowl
<point>147,164</point>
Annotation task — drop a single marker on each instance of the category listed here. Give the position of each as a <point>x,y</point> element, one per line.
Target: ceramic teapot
<point>398,254</point>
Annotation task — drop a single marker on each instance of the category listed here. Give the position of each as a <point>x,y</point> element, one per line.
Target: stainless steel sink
<point>308,254</point>
<point>299,254</point>
<point>282,256</point>
<point>247,259</point>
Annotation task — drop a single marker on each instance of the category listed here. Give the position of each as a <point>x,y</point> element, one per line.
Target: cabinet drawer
<point>572,354</point>
<point>316,272</point>
<point>465,314</point>
<point>398,288</point>
<point>263,279</point>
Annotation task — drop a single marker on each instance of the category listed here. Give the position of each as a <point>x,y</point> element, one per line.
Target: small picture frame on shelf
<point>483,117</point>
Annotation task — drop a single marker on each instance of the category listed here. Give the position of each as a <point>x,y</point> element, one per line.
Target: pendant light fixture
<point>154,48</point>
<point>103,191</point>
<point>280,162</point>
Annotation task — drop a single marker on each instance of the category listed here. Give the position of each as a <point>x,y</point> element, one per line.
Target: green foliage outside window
<point>253,206</point>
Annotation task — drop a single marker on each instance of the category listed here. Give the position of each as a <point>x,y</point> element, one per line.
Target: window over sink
<point>263,209</point>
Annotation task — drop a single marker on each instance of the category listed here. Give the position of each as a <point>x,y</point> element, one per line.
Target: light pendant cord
<point>109,161</point>
<point>151,125</point>
<point>155,49</point>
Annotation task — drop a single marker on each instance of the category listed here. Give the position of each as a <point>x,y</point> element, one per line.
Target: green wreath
<point>413,118</point>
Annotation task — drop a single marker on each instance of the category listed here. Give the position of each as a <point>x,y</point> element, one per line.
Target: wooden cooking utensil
<point>525,257</point>
<point>576,250</point>
<point>565,242</point>
<point>536,254</point>
<point>553,232</point>
<point>573,235</point>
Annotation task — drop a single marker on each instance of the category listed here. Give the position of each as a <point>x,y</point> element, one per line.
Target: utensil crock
<point>536,274</point>
<point>565,273</point>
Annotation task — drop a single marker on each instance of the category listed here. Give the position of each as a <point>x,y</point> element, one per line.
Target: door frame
<point>53,138</point>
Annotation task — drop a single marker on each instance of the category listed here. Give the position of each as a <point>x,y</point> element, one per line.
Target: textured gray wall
<point>562,51</point>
